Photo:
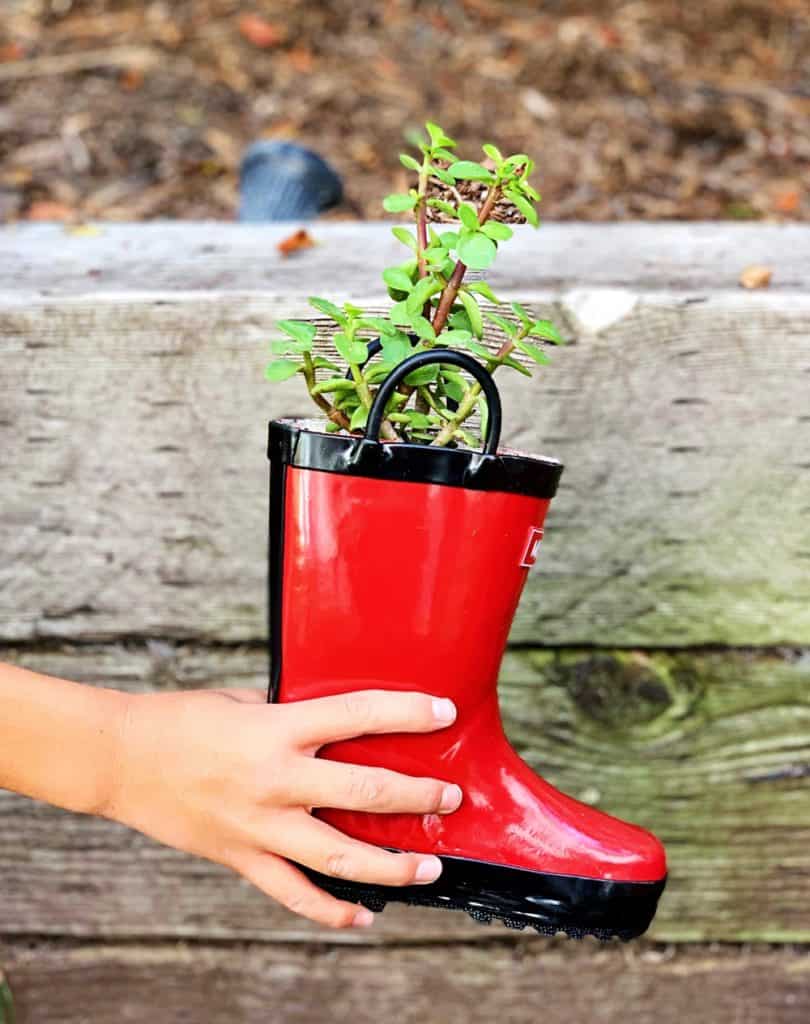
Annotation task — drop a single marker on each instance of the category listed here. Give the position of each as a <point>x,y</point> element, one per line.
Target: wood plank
<point>350,256</point>
<point>710,750</point>
<point>74,984</point>
<point>132,436</point>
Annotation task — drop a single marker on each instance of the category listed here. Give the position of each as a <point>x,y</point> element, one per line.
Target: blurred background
<point>636,109</point>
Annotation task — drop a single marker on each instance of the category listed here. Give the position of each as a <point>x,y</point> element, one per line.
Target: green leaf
<point>283,346</point>
<point>319,363</point>
<point>408,161</point>
<point>352,310</point>
<point>524,205</point>
<point>377,323</point>
<point>506,326</point>
<point>334,384</point>
<point>444,176</point>
<point>493,153</point>
<point>455,337</point>
<point>482,288</point>
<point>446,208</point>
<point>483,409</point>
<point>375,372</point>
<point>281,369</point>
<point>332,428</point>
<point>469,170</point>
<point>546,329</point>
<point>452,388</point>
<point>468,216</point>
<point>459,320</point>
<point>396,278</point>
<point>437,256</point>
<point>476,250</point>
<point>397,203</point>
<point>521,312</point>
<point>473,313</point>
<point>424,375</point>
<point>513,364</point>
<point>347,401</point>
<point>422,291</point>
<point>399,315</point>
<point>359,417</point>
<point>423,328</point>
<point>351,351</point>
<point>438,138</point>
<point>449,239</point>
<point>497,231</point>
<point>479,349</point>
<point>532,351</point>
<point>443,154</point>
<point>329,308</point>
<point>515,160</point>
<point>395,348</point>
<point>303,333</point>
<point>532,193</point>
<point>404,236</point>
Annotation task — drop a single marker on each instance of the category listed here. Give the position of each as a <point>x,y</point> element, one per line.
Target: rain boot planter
<point>400,543</point>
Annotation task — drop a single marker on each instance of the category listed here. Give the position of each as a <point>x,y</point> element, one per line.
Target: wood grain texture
<point>132,439</point>
<point>108,984</point>
<point>349,257</point>
<point>711,751</point>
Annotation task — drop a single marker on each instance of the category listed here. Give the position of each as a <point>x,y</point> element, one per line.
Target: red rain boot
<point>400,567</point>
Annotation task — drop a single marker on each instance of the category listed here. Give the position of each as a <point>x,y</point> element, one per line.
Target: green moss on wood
<point>710,751</point>
<point>6,1002</point>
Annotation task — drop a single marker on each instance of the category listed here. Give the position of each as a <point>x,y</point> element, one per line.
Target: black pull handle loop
<point>448,357</point>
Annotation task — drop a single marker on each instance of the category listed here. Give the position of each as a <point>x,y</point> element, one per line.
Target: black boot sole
<point>549,903</point>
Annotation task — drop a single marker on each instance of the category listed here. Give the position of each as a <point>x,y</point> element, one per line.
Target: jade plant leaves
<point>431,304</point>
<point>281,369</point>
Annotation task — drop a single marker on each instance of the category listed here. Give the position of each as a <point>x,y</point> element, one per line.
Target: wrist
<point>112,788</point>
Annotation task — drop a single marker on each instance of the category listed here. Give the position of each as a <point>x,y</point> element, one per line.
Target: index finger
<point>364,712</point>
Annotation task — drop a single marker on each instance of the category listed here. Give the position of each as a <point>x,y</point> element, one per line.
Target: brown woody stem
<point>468,403</point>
<point>448,296</point>
<point>335,415</point>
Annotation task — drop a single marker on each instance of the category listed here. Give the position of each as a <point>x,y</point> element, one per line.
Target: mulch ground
<point>646,109</point>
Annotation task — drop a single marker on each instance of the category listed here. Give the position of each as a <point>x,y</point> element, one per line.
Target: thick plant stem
<point>335,415</point>
<point>421,221</point>
<point>386,428</point>
<point>448,297</point>
<point>450,292</point>
<point>468,403</point>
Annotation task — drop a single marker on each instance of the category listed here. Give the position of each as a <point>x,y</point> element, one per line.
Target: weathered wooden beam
<point>132,438</point>
<point>711,751</point>
<point>107,984</point>
<point>349,257</point>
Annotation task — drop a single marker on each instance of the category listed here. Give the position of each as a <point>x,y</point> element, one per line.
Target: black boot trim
<point>547,902</point>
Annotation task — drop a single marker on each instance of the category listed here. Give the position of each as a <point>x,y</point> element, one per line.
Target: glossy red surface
<point>413,586</point>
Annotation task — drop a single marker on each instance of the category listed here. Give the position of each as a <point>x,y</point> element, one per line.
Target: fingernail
<point>444,710</point>
<point>363,919</point>
<point>451,798</point>
<point>429,869</point>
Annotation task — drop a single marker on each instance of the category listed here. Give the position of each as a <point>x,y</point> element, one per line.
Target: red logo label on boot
<point>530,554</point>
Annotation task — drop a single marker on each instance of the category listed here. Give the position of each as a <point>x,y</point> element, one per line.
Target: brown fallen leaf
<point>11,51</point>
<point>756,277</point>
<point>131,79</point>
<point>787,200</point>
<point>260,32</point>
<point>300,239</point>
<point>47,209</point>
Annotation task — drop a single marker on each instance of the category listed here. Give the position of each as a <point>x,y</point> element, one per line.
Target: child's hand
<point>225,776</point>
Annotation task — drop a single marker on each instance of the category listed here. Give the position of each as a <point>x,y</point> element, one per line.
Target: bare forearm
<point>59,740</point>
